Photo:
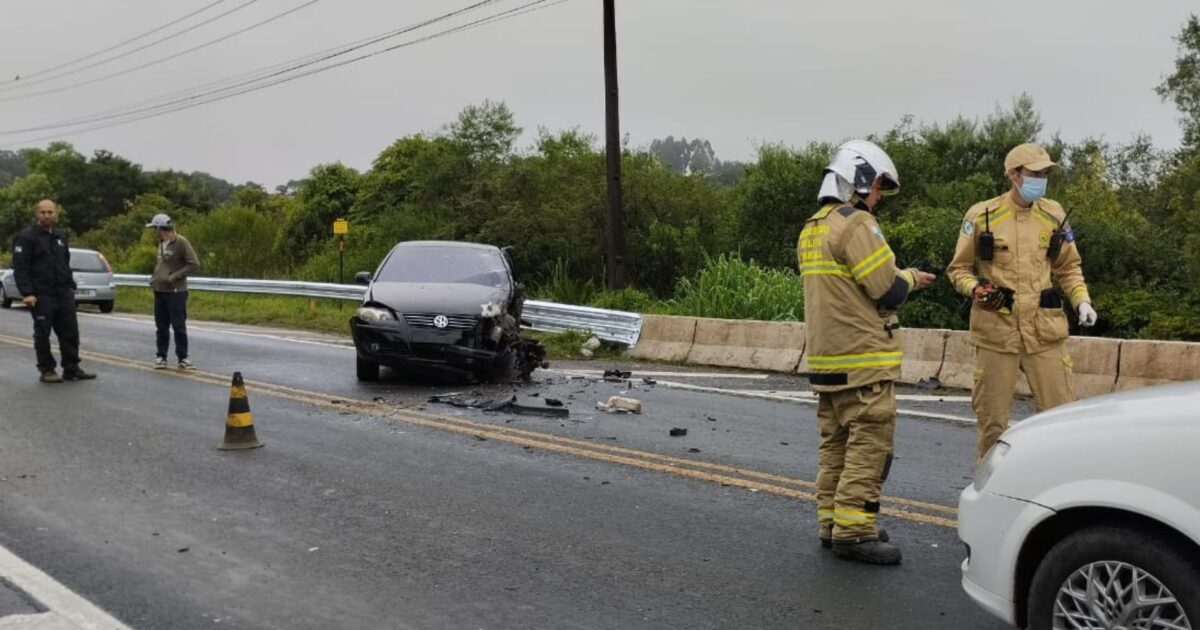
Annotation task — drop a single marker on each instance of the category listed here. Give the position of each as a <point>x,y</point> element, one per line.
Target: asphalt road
<point>370,507</point>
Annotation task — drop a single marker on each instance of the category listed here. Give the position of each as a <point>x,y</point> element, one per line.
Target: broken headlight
<point>372,315</point>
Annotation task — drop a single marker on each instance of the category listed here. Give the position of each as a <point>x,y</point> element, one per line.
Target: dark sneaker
<point>827,543</point>
<point>50,376</point>
<point>77,374</point>
<point>869,551</point>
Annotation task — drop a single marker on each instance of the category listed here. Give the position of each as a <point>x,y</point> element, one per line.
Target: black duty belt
<point>828,378</point>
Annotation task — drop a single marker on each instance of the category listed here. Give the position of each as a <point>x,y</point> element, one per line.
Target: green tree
<point>328,193</point>
<point>1182,87</point>
<point>488,131</point>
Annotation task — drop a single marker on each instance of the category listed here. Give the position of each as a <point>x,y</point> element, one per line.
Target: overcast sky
<point>737,73</point>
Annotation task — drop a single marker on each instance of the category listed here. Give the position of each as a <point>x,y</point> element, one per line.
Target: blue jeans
<point>170,311</point>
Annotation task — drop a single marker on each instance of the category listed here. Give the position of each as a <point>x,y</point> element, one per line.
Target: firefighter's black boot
<point>869,551</point>
<point>827,543</point>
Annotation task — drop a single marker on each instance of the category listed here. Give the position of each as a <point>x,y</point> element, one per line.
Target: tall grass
<point>564,288</point>
<point>731,288</point>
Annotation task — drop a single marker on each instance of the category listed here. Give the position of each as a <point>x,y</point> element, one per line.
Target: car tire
<point>367,371</point>
<point>1115,546</point>
<point>5,301</point>
<point>106,306</point>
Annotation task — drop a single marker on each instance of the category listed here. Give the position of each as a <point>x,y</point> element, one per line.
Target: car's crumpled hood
<point>449,299</point>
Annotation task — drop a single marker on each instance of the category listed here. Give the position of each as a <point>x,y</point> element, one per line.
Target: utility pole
<point>612,132</point>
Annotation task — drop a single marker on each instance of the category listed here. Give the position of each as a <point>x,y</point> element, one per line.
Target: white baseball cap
<point>160,220</point>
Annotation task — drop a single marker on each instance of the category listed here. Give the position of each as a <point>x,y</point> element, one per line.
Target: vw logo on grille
<point>441,321</point>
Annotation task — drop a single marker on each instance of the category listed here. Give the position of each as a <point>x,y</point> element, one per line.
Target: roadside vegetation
<point>705,237</point>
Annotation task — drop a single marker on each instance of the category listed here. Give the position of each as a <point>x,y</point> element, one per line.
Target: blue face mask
<point>1033,188</point>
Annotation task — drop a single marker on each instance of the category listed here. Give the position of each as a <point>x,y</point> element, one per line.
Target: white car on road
<point>1087,516</point>
<point>93,280</point>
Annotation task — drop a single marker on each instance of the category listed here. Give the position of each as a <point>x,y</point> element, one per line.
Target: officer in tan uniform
<point>1009,250</point>
<point>851,291</point>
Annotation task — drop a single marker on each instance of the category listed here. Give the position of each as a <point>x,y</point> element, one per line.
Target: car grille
<point>453,322</point>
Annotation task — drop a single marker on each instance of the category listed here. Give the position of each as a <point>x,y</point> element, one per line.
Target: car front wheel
<point>5,301</point>
<point>1115,577</point>
<point>105,306</point>
<point>367,371</point>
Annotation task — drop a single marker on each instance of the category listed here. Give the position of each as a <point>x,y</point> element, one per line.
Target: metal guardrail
<point>607,325</point>
<point>613,326</point>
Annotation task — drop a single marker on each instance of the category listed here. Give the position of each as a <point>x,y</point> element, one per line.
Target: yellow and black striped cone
<point>239,423</point>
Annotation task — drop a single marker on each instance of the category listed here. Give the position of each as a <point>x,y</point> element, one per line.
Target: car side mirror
<point>362,277</point>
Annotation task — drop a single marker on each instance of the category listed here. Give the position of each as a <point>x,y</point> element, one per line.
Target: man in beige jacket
<point>176,260</point>
<point>1009,251</point>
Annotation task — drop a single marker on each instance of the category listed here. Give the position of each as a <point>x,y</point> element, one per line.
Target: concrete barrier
<point>924,349</point>
<point>958,366</point>
<point>665,338</point>
<point>1146,363</point>
<point>1096,363</point>
<point>773,346</point>
<point>1100,365</point>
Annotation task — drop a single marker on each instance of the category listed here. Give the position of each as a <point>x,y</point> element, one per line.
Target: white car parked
<point>93,280</point>
<point>1087,516</point>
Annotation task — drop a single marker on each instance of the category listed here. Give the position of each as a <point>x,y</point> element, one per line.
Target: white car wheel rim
<point>1113,595</point>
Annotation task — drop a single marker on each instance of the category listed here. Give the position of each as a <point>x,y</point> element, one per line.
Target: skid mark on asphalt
<point>898,507</point>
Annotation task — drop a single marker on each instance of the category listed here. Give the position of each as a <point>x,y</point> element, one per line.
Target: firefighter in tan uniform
<point>851,291</point>
<point>1009,251</point>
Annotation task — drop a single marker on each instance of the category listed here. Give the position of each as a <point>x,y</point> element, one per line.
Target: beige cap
<point>1029,155</point>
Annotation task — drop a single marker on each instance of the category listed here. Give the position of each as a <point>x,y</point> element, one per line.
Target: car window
<point>87,262</point>
<point>449,265</point>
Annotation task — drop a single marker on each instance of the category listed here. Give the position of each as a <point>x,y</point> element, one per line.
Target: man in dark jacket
<point>42,268</point>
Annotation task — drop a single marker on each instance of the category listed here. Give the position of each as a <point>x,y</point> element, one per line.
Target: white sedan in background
<point>1088,516</point>
<point>93,280</point>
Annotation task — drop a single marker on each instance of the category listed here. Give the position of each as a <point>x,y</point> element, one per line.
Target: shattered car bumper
<point>398,344</point>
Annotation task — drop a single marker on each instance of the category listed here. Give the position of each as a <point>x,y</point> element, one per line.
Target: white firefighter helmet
<point>854,167</point>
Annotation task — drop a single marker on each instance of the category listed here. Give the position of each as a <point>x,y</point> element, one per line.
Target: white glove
<point>1087,315</point>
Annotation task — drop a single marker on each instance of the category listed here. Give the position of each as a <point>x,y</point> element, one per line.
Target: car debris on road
<point>620,404</point>
<point>508,405</point>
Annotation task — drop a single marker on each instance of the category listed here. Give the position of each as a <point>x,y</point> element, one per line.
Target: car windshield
<point>445,265</point>
<point>87,262</point>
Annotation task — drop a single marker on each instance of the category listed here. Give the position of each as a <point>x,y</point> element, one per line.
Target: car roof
<point>447,245</point>
<point>83,251</point>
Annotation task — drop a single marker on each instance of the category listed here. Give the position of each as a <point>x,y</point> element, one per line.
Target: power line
<point>216,96</point>
<point>156,62</point>
<point>115,46</point>
<point>23,84</point>
<point>282,70</point>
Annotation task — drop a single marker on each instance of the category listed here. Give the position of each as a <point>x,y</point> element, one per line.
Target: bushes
<point>731,288</point>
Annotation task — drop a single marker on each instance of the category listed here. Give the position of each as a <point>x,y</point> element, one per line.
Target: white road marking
<point>764,395</point>
<point>640,373</point>
<point>804,393</point>
<point>66,610</point>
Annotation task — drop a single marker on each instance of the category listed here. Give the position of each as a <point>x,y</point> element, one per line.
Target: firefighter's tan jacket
<point>1022,237</point>
<point>851,291</point>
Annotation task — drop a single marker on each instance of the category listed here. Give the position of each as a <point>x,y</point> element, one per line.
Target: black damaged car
<point>444,308</point>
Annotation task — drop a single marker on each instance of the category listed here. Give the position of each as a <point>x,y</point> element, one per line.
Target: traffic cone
<point>239,423</point>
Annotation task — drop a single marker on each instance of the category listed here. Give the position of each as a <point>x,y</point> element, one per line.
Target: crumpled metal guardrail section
<point>613,326</point>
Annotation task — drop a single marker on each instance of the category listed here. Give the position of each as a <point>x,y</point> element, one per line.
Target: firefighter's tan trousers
<point>857,427</point>
<point>1049,373</point>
